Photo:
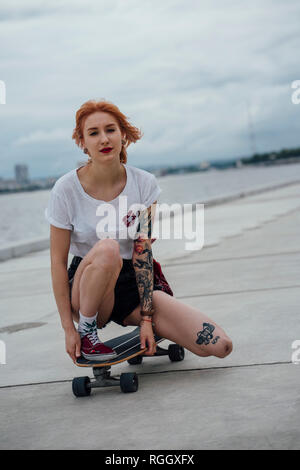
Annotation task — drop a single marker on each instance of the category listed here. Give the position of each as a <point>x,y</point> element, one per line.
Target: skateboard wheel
<point>135,360</point>
<point>129,382</point>
<point>80,386</point>
<point>176,352</point>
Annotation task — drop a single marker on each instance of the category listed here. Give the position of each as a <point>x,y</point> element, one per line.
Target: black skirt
<point>126,291</point>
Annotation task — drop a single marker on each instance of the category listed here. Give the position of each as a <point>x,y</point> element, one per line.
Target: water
<point>22,214</point>
<point>205,186</point>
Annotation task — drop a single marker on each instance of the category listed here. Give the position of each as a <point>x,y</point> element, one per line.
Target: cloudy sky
<point>184,71</point>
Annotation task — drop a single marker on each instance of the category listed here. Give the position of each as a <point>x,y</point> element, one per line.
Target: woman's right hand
<point>73,344</point>
<point>147,338</point>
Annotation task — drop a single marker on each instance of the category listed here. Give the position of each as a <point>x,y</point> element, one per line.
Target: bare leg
<point>94,281</point>
<point>186,326</point>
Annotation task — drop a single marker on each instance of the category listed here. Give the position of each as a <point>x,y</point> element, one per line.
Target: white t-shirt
<point>90,220</point>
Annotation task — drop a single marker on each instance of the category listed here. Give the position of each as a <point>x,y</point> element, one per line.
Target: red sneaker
<point>93,350</point>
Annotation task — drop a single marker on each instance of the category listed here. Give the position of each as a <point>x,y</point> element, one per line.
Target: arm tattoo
<point>145,225</point>
<point>143,260</point>
<point>143,266</point>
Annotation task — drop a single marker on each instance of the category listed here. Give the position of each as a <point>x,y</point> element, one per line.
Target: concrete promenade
<point>246,278</point>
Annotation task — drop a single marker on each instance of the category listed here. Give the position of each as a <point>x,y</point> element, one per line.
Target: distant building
<point>21,174</point>
<point>8,185</point>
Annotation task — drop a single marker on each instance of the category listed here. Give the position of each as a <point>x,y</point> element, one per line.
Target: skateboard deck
<point>126,346</point>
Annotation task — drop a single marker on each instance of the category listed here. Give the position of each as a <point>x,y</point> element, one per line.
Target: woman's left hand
<point>147,338</point>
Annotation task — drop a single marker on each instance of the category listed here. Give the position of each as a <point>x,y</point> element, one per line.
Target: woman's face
<point>101,130</point>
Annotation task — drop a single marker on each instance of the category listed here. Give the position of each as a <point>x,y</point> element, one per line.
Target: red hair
<point>132,134</point>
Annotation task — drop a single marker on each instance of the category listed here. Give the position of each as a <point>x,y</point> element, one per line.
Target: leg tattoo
<point>205,335</point>
<point>215,340</point>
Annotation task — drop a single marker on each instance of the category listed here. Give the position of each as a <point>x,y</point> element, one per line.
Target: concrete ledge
<point>252,192</point>
<point>17,249</point>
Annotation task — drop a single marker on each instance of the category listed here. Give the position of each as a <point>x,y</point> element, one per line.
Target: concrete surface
<point>247,281</point>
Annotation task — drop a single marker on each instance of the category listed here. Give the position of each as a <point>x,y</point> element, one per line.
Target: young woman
<point>113,276</point>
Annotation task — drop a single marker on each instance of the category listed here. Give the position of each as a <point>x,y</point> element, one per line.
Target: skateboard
<point>128,348</point>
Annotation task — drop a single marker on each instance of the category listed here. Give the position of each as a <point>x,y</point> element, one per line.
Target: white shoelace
<point>93,337</point>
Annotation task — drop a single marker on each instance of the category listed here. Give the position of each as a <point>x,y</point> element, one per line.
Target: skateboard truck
<point>103,378</point>
<point>175,353</point>
<point>82,386</point>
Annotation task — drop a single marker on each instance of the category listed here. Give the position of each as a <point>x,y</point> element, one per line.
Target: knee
<point>225,348</point>
<point>108,253</point>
